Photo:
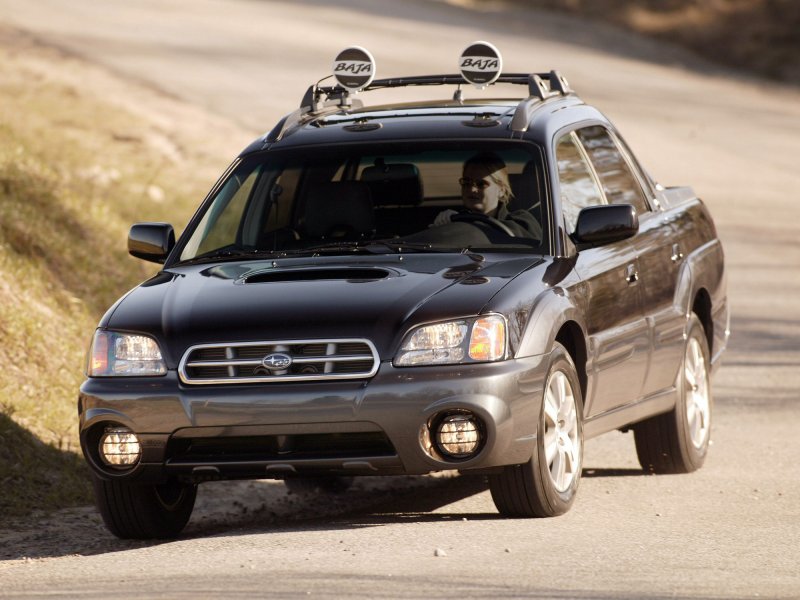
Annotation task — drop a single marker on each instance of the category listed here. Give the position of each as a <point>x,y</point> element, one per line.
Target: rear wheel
<point>144,511</point>
<point>546,485</point>
<point>677,441</point>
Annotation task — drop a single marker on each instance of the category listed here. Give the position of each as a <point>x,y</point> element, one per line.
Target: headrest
<point>526,187</point>
<point>396,184</point>
<point>339,209</point>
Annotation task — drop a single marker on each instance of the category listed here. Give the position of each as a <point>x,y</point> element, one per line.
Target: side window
<point>578,186</point>
<point>616,177</point>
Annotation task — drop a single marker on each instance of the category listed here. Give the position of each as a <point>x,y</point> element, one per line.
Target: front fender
<point>551,310</point>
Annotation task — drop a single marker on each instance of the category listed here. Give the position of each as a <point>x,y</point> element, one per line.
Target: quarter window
<point>579,188</point>
<point>619,183</point>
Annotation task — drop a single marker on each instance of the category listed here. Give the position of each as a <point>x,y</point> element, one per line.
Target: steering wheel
<point>471,217</point>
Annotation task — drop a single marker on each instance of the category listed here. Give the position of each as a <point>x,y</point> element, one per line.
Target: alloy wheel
<point>698,405</point>
<point>562,443</point>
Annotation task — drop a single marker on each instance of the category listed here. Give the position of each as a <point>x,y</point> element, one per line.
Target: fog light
<point>458,436</point>
<point>119,447</point>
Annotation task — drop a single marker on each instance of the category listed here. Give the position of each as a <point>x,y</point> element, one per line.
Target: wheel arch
<point>701,289</point>
<point>701,306</point>
<point>570,335</point>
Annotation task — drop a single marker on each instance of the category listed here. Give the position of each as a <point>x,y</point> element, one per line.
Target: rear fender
<point>704,269</point>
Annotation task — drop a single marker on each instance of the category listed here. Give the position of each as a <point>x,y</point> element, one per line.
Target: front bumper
<point>366,427</point>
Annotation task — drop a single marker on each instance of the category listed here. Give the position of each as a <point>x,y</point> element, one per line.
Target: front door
<point>617,330</point>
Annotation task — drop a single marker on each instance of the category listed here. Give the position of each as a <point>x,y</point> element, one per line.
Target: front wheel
<point>677,441</point>
<point>133,511</point>
<point>546,485</point>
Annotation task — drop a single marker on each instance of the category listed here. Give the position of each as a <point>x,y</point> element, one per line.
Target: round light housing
<point>458,436</point>
<point>119,447</point>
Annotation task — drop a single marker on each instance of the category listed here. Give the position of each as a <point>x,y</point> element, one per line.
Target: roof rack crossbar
<point>421,80</point>
<point>324,99</point>
<point>556,86</point>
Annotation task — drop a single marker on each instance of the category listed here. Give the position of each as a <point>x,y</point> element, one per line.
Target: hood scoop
<point>333,274</point>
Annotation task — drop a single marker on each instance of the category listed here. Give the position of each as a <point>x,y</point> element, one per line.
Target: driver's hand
<point>444,217</point>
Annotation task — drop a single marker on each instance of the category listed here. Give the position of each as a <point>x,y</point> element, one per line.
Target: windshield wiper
<point>379,246</point>
<point>400,247</point>
<point>231,253</point>
<point>372,247</point>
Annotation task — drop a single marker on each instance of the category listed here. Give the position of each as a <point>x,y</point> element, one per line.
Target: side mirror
<point>606,223</point>
<point>151,241</point>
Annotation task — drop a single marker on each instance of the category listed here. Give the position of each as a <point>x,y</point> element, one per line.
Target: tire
<point>546,485</point>
<point>133,511</point>
<point>318,485</point>
<point>677,441</point>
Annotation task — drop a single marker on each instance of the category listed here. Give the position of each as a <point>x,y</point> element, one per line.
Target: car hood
<point>378,298</point>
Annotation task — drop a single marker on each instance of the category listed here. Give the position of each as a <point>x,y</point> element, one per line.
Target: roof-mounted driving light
<point>480,64</point>
<point>354,68</point>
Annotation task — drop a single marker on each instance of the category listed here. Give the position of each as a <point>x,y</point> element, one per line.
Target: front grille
<point>249,362</point>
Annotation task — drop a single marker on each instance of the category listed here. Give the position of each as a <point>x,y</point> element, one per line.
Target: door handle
<point>676,253</point>
<point>631,274</point>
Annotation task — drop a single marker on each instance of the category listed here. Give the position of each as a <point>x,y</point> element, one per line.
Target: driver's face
<point>479,192</point>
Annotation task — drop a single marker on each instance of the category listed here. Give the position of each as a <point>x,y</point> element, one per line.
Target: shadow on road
<point>614,473</point>
<point>410,499</point>
<point>254,507</point>
<point>263,507</point>
<point>763,340</point>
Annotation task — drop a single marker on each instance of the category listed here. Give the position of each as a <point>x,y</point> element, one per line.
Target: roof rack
<point>354,68</point>
<point>540,85</point>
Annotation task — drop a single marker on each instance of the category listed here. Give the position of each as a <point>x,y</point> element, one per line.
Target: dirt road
<point>730,530</point>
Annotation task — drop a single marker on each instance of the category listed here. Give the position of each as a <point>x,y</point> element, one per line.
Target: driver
<point>485,189</point>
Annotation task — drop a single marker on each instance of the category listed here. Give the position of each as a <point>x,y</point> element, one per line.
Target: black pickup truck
<point>454,284</point>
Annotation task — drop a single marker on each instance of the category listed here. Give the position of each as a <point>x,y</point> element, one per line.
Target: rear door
<point>617,330</point>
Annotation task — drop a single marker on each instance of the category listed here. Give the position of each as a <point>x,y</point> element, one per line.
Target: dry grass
<point>75,172</point>
<point>762,36</point>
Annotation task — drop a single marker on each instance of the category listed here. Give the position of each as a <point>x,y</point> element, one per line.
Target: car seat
<point>339,210</point>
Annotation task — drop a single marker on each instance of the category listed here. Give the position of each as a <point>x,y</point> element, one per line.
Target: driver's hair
<point>495,168</point>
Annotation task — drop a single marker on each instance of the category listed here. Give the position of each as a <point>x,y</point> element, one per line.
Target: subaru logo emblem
<point>277,362</point>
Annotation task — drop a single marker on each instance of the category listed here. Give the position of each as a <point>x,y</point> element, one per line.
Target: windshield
<point>470,196</point>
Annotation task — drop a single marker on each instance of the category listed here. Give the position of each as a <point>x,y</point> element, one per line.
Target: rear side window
<point>619,183</point>
<point>578,187</point>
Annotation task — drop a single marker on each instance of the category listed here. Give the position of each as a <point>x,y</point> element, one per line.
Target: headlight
<point>467,340</point>
<point>116,354</point>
